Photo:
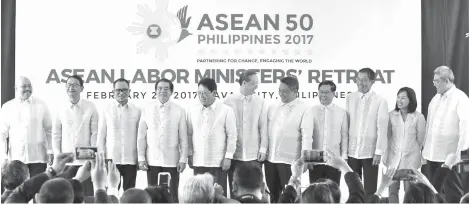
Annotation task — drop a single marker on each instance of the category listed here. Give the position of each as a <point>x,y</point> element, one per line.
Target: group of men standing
<point>215,136</point>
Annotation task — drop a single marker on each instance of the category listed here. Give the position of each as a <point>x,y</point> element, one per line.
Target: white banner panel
<point>314,40</point>
<point>185,40</point>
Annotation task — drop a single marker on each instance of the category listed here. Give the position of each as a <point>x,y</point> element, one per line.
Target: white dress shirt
<point>117,132</point>
<point>162,135</point>
<point>251,123</point>
<point>76,125</point>
<point>330,129</point>
<point>368,118</point>
<point>405,141</point>
<point>28,125</point>
<point>212,134</point>
<point>290,131</point>
<point>448,125</point>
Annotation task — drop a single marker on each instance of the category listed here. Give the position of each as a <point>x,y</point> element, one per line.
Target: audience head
<point>57,190</point>
<point>288,88</point>
<point>249,82</point>
<point>365,80</point>
<point>406,99</point>
<point>78,191</point>
<point>317,193</point>
<point>135,195</point>
<point>419,193</point>
<point>248,179</point>
<point>443,79</point>
<point>159,194</point>
<point>197,189</point>
<point>333,187</point>
<point>23,88</point>
<point>207,91</point>
<point>14,174</point>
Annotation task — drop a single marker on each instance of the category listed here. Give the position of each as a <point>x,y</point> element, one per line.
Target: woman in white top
<point>406,134</point>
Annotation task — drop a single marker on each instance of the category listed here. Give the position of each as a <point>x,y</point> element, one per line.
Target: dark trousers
<point>277,176</point>
<point>152,178</point>
<point>219,176</point>
<point>71,171</point>
<point>129,175</point>
<point>323,171</point>
<point>455,182</point>
<point>36,168</point>
<point>429,169</point>
<point>394,191</point>
<point>369,173</point>
<point>234,164</point>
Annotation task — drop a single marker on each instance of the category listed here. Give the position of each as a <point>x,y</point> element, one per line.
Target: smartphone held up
<point>85,153</point>
<point>314,156</point>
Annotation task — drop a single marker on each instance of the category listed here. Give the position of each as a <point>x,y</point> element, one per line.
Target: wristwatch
<point>51,171</point>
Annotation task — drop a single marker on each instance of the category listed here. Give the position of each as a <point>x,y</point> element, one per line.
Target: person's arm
<point>4,131</point>
<point>462,111</point>
<point>57,134</point>
<point>26,191</point>
<point>190,132</point>
<point>231,133</point>
<point>421,123</point>
<point>344,137</point>
<point>263,128</point>
<point>47,126</point>
<point>102,132</point>
<point>94,126</point>
<point>142,137</point>
<point>355,187</point>
<point>306,129</point>
<point>382,128</point>
<point>183,141</point>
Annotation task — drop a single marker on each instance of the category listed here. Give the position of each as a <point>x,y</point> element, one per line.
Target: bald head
<point>23,88</point>
<point>57,190</point>
<point>135,195</point>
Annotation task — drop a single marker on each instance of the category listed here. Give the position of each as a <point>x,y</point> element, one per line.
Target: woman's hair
<point>412,99</point>
<point>197,189</point>
<point>333,187</point>
<point>317,193</point>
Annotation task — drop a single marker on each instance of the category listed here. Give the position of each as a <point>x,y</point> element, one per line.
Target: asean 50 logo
<point>159,29</point>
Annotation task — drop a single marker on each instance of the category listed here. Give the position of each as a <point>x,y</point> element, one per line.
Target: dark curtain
<point>445,26</point>
<point>8,49</point>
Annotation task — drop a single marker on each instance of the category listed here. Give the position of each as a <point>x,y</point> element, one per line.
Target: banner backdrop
<point>184,41</point>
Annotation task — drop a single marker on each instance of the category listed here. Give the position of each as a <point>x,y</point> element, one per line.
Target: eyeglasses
<point>162,88</point>
<point>362,80</point>
<point>204,93</point>
<point>284,91</point>
<point>25,86</point>
<point>121,90</point>
<point>72,86</point>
